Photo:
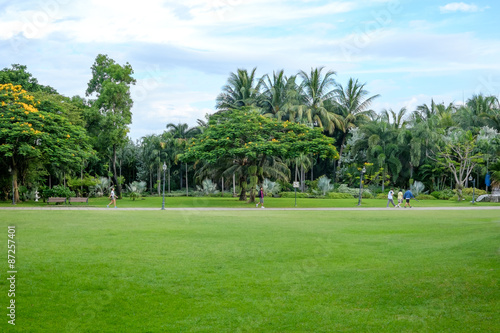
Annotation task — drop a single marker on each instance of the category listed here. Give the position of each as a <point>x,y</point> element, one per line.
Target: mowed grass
<point>255,271</point>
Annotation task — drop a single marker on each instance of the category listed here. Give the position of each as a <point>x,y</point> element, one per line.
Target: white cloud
<point>458,7</point>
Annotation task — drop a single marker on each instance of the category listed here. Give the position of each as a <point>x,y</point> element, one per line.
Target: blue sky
<point>183,51</point>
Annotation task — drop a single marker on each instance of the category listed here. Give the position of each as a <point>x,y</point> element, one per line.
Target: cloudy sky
<point>183,51</point>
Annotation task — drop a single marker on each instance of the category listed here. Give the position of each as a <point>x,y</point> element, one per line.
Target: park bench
<point>56,200</point>
<point>79,199</point>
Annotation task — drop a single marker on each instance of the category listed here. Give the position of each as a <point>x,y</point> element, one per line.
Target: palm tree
<point>383,148</point>
<point>280,98</point>
<point>317,94</point>
<point>241,90</point>
<point>477,111</point>
<point>397,119</point>
<point>351,108</point>
<point>182,133</point>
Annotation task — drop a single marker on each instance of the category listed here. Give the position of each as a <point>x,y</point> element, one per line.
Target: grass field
<point>254,271</point>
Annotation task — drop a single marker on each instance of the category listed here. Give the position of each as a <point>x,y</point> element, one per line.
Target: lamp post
<point>473,188</point>
<point>362,172</point>
<point>13,199</point>
<point>163,202</point>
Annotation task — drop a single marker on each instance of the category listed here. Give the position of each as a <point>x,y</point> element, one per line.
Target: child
<point>400,198</point>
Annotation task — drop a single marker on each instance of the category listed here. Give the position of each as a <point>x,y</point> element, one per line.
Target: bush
<point>381,196</point>
<point>292,195</point>
<point>367,194</point>
<point>57,191</point>
<point>208,188</point>
<point>425,197</point>
<point>444,194</point>
<point>335,195</point>
<point>136,189</point>
<point>464,196</point>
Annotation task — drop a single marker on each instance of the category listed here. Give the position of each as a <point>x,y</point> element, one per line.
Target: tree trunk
<point>187,184</point>
<point>180,171</point>
<point>302,179</point>
<point>158,180</point>
<point>115,179</point>
<point>340,156</point>
<point>168,180</point>
<point>243,185</point>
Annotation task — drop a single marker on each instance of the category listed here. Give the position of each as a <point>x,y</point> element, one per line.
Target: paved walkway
<point>249,209</point>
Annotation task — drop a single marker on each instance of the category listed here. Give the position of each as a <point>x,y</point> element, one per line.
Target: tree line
<point>285,128</point>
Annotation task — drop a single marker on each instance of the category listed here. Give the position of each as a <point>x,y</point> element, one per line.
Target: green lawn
<point>178,202</point>
<point>254,271</point>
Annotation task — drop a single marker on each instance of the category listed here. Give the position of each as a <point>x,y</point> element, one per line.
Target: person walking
<point>407,196</point>
<point>261,198</point>
<point>400,198</point>
<point>112,196</point>
<point>390,199</point>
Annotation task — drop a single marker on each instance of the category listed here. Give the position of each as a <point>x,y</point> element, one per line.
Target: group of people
<point>406,196</point>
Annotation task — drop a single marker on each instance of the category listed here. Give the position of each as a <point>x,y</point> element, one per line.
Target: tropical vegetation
<point>305,128</point>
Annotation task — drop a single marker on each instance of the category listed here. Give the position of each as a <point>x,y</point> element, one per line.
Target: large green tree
<point>111,109</point>
<point>30,135</point>
<point>248,138</point>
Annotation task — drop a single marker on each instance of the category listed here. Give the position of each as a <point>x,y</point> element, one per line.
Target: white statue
<point>36,196</point>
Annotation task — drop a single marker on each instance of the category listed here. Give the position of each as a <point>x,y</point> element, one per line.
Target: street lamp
<point>473,188</point>
<point>163,202</point>
<point>362,172</point>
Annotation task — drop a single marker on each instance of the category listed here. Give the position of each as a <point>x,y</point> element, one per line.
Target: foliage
<point>136,189</point>
<point>111,113</point>
<point>29,135</point>
<point>336,195</point>
<point>248,139</point>
<point>366,193</point>
<point>101,187</point>
<point>443,194</point>
<point>417,188</point>
<point>270,188</point>
<point>292,195</point>
<point>56,191</point>
<point>425,197</point>
<point>87,182</point>
<point>208,187</point>
<point>324,185</point>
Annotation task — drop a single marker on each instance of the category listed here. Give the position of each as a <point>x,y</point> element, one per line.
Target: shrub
<point>135,189</point>
<point>324,184</point>
<point>57,191</point>
<point>425,197</point>
<point>270,188</point>
<point>292,195</point>
<point>335,195</point>
<point>208,188</point>
<point>381,196</point>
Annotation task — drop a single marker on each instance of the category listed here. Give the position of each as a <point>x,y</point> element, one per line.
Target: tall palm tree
<point>242,89</point>
<point>397,119</point>
<point>280,97</point>
<point>383,148</point>
<point>351,108</point>
<point>477,111</point>
<point>182,133</point>
<point>317,91</point>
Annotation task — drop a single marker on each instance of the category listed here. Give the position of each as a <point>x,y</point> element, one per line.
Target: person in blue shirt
<point>407,196</point>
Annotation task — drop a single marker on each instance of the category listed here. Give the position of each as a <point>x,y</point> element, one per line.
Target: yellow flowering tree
<point>29,135</point>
